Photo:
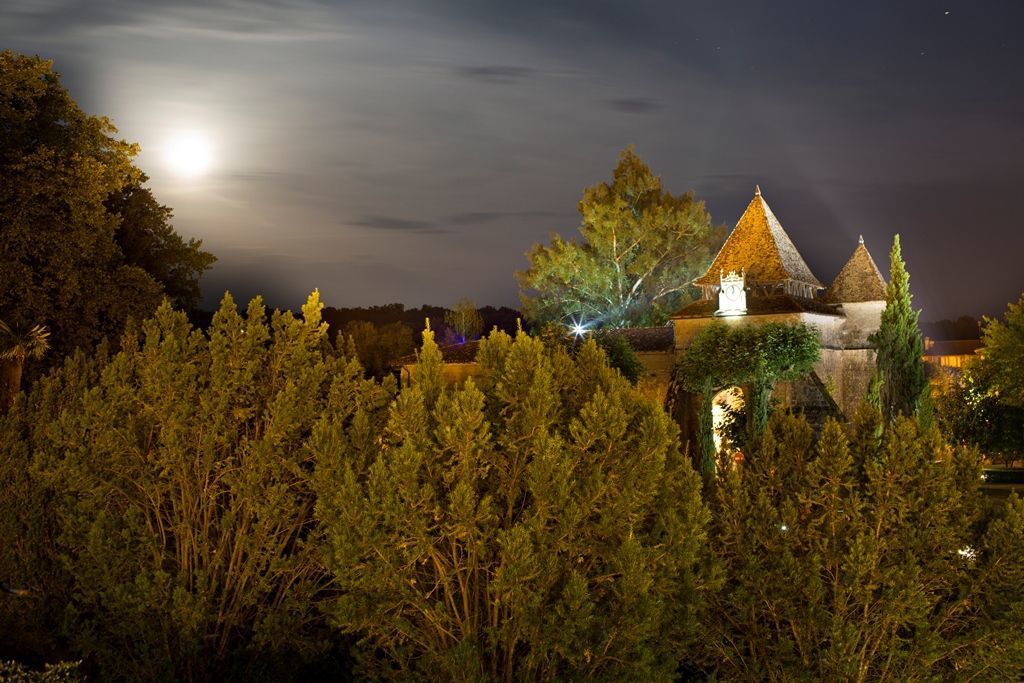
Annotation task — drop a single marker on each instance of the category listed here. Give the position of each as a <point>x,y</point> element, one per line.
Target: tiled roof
<point>759,245</point>
<point>648,338</point>
<point>760,305</point>
<point>859,280</point>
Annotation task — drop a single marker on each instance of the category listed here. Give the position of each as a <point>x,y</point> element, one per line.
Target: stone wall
<point>861,320</point>
<point>846,373</point>
<point>658,369</point>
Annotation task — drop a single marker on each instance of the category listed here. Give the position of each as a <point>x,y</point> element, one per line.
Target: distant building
<point>952,354</point>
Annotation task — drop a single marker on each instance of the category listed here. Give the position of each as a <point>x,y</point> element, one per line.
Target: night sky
<point>413,151</point>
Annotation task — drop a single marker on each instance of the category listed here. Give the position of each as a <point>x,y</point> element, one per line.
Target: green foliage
<point>178,479</point>
<point>863,558</point>
<point>28,523</point>
<point>752,356</point>
<point>970,411</point>
<point>621,355</point>
<point>899,345</point>
<point>984,404</point>
<point>465,320</point>
<point>1003,355</point>
<point>616,347</point>
<point>62,258</point>
<point>378,346</point>
<point>641,246</point>
<point>536,523</point>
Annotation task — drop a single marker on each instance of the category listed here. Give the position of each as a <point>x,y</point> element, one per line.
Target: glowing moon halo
<point>189,153</point>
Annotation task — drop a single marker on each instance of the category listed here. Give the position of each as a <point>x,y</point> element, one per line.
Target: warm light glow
<point>730,398</point>
<point>189,153</point>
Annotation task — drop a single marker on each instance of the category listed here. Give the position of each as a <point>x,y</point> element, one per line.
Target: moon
<point>189,153</point>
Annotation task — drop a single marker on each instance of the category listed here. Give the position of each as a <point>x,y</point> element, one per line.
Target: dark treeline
<point>964,327</point>
<point>503,318</point>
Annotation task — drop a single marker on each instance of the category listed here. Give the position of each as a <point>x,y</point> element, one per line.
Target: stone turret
<point>859,290</point>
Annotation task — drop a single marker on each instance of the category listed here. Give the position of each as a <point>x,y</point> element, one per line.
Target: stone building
<point>757,277</point>
<point>950,355</point>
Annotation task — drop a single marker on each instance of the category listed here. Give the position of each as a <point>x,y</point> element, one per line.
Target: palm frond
<point>32,342</point>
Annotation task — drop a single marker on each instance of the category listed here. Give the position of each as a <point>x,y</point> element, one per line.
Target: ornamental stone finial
<point>757,190</point>
<point>860,239</point>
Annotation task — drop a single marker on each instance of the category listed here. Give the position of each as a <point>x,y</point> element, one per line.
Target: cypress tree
<point>899,344</point>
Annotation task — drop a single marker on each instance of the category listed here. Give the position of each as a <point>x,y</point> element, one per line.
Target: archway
<point>726,406</point>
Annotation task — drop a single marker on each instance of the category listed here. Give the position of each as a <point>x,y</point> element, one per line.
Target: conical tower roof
<point>759,245</point>
<point>859,280</point>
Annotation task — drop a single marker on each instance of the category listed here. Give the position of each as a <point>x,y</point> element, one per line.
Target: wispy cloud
<point>497,74</point>
<point>394,224</point>
<point>634,105</point>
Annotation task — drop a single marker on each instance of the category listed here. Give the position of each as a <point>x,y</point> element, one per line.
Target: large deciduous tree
<point>147,240</point>
<point>536,523</point>
<point>641,247</point>
<point>899,363</point>
<point>82,246</point>
<point>984,403</point>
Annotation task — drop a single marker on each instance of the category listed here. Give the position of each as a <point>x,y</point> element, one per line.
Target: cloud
<point>497,74</point>
<point>394,224</point>
<point>634,105</point>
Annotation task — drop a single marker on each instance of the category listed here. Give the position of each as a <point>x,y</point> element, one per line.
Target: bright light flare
<point>577,328</point>
<point>189,153</point>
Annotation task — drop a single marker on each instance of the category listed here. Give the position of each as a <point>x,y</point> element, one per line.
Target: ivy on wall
<point>752,356</point>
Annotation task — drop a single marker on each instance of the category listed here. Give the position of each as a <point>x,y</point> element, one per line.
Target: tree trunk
<point>758,397</point>
<point>10,382</point>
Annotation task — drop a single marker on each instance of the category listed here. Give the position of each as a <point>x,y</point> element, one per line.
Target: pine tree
<point>537,523</point>
<point>899,345</point>
<point>863,556</point>
<point>178,480</point>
